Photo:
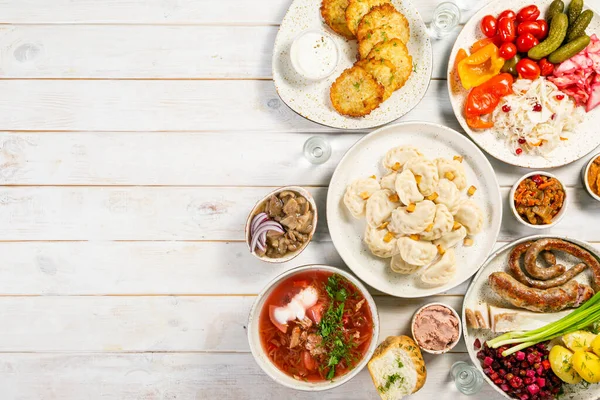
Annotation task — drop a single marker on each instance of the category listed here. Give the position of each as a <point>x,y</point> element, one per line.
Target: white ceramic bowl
<point>584,173</point>
<point>303,192</point>
<point>452,345</point>
<point>298,51</point>
<point>275,373</point>
<point>557,217</point>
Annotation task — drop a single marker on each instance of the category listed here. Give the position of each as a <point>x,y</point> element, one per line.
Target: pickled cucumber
<point>510,66</point>
<point>574,9</point>
<point>557,6</point>
<point>569,50</point>
<point>558,31</point>
<point>578,28</point>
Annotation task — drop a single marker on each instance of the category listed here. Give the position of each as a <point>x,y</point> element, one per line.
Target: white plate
<point>364,159</point>
<point>311,98</point>
<point>583,140</point>
<point>480,292</point>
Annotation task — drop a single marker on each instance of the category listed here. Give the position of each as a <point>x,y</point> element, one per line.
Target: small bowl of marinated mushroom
<point>281,224</point>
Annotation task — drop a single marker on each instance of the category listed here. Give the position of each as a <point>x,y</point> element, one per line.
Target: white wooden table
<point>136,135</point>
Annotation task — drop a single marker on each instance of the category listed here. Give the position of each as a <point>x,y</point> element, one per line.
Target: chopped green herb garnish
<point>389,381</point>
<point>399,362</point>
<point>330,327</point>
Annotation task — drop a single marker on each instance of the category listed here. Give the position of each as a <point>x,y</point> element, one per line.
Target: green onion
<point>584,316</point>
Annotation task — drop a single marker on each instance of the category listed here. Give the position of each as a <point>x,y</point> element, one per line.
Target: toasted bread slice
<point>357,9</point>
<point>397,368</point>
<point>356,92</point>
<point>396,52</point>
<point>334,14</point>
<point>382,15</point>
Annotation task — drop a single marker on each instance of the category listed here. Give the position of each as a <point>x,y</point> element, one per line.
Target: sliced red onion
<point>271,224</point>
<point>258,218</point>
<point>261,246</point>
<point>262,239</point>
<point>263,229</point>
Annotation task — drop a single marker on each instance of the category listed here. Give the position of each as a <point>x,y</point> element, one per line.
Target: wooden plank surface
<point>186,376</point>
<point>159,105</point>
<point>227,12</point>
<point>157,323</point>
<point>150,51</point>
<point>121,239</point>
<point>192,213</point>
<point>158,268</point>
<point>174,158</point>
<point>137,268</point>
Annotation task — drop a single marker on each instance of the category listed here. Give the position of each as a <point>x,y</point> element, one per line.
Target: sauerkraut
<point>537,117</point>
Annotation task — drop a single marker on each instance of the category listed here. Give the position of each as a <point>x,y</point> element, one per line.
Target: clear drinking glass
<point>467,378</point>
<point>446,17</point>
<point>317,150</point>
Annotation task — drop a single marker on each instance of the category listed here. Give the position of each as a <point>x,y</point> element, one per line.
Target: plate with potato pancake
<point>352,64</point>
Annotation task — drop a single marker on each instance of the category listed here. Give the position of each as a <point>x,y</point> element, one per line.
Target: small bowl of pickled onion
<point>281,224</point>
<point>538,200</point>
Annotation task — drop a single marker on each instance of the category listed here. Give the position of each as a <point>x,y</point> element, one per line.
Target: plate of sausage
<point>535,286</point>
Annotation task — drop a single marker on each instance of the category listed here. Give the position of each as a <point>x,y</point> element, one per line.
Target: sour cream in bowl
<point>314,54</point>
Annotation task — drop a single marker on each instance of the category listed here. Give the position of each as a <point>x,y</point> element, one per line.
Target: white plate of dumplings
<point>414,209</point>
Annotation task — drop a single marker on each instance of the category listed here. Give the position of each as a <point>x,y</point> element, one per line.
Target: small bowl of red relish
<point>538,200</point>
<point>313,328</point>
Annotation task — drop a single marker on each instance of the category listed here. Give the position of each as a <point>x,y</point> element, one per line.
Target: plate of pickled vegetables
<point>524,81</point>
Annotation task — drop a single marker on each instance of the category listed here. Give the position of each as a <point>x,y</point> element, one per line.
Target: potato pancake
<point>357,9</point>
<point>382,15</point>
<point>383,71</point>
<point>381,34</point>
<point>334,14</point>
<point>356,92</point>
<point>396,52</point>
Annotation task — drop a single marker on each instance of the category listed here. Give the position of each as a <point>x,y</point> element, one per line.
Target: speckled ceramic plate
<point>311,98</point>
<point>364,159</point>
<point>479,292</point>
<point>583,141</point>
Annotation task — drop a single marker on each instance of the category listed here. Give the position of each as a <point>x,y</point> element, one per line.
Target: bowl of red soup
<point>313,328</point>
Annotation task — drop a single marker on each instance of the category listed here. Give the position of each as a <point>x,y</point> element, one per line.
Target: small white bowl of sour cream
<point>314,54</point>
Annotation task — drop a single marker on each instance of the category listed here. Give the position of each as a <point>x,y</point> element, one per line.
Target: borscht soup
<point>315,326</point>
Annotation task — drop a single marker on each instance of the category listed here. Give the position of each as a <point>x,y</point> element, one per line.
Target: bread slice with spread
<point>397,368</point>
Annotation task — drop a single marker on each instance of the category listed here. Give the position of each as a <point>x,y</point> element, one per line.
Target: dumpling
<point>379,244</point>
<point>451,238</point>
<point>357,194</point>
<point>379,207</point>
<point>407,223</point>
<point>398,156</point>
<point>442,224</point>
<point>406,187</point>
<point>448,195</point>
<point>389,181</point>
<point>428,173</point>
<point>416,252</point>
<point>441,271</point>
<point>400,266</point>
<point>470,216</point>
<point>455,169</point>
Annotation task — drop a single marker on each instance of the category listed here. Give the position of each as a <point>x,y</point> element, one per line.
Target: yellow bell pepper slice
<point>480,66</point>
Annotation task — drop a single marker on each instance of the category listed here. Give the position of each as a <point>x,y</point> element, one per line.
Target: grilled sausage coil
<point>557,244</point>
<point>514,266</point>
<point>555,299</point>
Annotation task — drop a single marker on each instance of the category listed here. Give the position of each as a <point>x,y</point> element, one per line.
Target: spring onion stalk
<point>581,318</point>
